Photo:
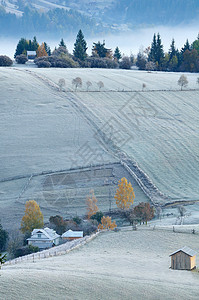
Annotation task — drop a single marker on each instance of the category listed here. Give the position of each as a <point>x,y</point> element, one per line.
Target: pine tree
<point>22,47</point>
<point>80,46</point>
<point>47,48</point>
<point>117,54</point>
<point>35,44</point>
<point>62,43</point>
<point>153,51</point>
<point>100,50</point>
<point>159,51</point>
<point>172,50</point>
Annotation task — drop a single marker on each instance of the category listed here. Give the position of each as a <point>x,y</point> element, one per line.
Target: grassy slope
<point>163,125</point>
<point>122,265</point>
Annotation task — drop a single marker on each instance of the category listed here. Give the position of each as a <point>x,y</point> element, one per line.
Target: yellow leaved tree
<point>124,195</point>
<point>41,51</point>
<point>91,202</point>
<point>33,217</point>
<point>107,224</point>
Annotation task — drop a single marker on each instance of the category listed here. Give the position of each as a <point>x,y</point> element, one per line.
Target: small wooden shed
<point>183,259</point>
<point>31,54</point>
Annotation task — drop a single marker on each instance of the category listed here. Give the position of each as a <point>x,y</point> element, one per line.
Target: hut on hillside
<point>183,259</point>
<point>31,54</point>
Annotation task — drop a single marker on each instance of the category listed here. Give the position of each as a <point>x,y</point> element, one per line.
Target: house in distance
<point>44,238</point>
<point>72,235</point>
<point>183,259</point>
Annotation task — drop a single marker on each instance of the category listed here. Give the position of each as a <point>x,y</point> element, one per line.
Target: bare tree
<point>150,66</point>
<point>100,85</point>
<point>143,86</point>
<point>15,242</point>
<point>182,81</point>
<point>61,83</point>
<point>77,82</point>
<point>88,84</point>
<point>181,210</point>
<point>197,80</point>
<point>159,211</point>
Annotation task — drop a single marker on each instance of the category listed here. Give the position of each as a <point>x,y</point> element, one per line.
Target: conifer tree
<point>35,44</point>
<point>159,51</point>
<point>80,46</point>
<point>153,51</point>
<point>62,43</point>
<point>117,54</point>
<point>47,48</point>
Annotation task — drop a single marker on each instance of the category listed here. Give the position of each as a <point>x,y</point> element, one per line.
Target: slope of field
<point>158,128</point>
<point>45,130</point>
<point>115,265</point>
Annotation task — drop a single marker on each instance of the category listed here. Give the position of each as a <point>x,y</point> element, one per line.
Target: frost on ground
<point>116,265</point>
<point>44,129</point>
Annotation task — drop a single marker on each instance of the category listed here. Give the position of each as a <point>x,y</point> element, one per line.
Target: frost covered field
<point>115,265</point>
<point>45,130</point>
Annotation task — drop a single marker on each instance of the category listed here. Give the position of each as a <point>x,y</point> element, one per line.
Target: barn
<point>183,259</point>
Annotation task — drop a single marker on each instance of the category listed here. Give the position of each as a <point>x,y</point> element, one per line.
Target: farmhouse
<point>72,235</point>
<point>44,238</point>
<point>183,259</point>
<point>31,54</point>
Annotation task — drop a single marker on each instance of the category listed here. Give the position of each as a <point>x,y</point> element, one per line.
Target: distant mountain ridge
<point>68,16</point>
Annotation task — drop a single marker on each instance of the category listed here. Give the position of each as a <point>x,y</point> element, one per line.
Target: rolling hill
<point>46,131</point>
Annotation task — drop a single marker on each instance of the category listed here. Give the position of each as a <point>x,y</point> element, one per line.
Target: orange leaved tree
<point>33,217</point>
<point>41,51</point>
<point>91,202</point>
<point>107,224</point>
<point>124,195</point>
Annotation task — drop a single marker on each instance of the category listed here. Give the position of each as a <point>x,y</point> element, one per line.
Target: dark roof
<point>186,250</point>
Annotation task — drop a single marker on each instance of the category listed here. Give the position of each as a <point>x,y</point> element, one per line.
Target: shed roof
<point>31,53</point>
<point>186,250</point>
<point>71,233</point>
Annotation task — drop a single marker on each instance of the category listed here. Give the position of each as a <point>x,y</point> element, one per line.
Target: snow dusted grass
<point>116,265</point>
<point>44,129</point>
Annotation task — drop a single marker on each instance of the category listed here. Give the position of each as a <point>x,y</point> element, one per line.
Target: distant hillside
<point>64,17</point>
<point>136,12</point>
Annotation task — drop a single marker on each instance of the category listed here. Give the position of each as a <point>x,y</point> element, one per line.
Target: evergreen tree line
<point>153,58</point>
<point>184,60</point>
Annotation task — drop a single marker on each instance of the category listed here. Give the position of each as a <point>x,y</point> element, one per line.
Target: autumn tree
<point>143,212</point>
<point>91,202</point>
<point>41,51</point>
<point>33,217</point>
<point>182,81</point>
<point>107,224</point>
<point>124,195</point>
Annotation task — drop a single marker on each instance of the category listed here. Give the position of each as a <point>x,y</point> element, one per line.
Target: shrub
<point>5,61</point>
<point>97,62</point>
<point>125,63</point>
<point>98,216</point>
<point>63,61</point>
<point>26,250</point>
<point>43,64</point>
<point>21,59</point>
